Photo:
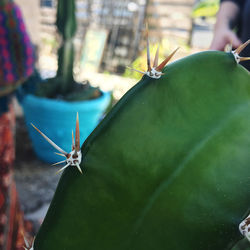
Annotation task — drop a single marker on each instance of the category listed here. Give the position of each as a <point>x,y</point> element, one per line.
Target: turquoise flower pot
<point>57,119</point>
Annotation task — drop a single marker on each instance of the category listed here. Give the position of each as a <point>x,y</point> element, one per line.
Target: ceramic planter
<point>56,118</point>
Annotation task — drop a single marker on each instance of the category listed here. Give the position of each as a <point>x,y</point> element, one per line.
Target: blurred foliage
<point>206,8</point>
<point>51,42</point>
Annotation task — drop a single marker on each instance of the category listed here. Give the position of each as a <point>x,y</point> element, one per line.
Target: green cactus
<point>167,168</point>
<point>66,25</point>
<point>64,84</point>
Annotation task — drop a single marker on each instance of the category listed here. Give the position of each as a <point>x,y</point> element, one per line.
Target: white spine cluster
<point>244,227</point>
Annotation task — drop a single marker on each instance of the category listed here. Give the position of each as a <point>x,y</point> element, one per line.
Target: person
<point>16,65</point>
<point>232,26</point>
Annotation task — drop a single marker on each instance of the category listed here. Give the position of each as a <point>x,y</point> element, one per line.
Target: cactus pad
<point>168,167</point>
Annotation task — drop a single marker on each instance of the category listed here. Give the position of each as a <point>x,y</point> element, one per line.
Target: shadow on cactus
<point>64,86</point>
<point>167,168</point>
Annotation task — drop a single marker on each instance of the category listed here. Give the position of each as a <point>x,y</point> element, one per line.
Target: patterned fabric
<point>4,102</point>
<point>11,218</point>
<point>16,64</point>
<point>17,55</point>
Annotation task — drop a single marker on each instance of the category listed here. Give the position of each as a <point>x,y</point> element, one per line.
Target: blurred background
<point>110,36</point>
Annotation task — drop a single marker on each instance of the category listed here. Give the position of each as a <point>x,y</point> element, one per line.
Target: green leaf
<point>168,168</point>
<point>206,8</point>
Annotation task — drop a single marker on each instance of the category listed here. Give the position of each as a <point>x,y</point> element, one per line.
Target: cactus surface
<point>66,25</point>
<point>167,168</point>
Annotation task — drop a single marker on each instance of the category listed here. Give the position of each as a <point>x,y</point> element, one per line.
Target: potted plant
<point>54,102</point>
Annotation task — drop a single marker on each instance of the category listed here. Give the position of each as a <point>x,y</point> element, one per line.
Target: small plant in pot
<point>55,101</point>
